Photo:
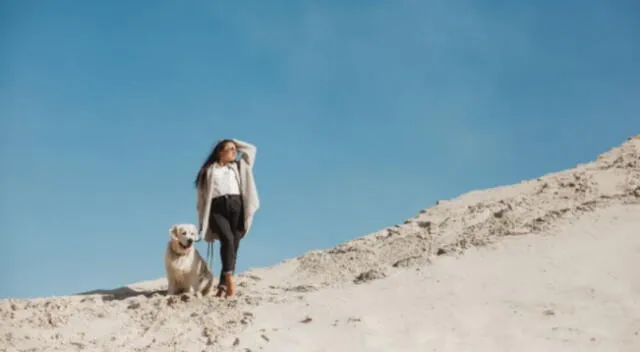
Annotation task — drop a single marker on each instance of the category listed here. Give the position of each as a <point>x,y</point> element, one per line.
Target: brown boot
<point>222,287</point>
<point>221,290</point>
<point>231,286</point>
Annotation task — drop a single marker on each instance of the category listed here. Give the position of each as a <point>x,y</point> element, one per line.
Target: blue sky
<point>363,112</point>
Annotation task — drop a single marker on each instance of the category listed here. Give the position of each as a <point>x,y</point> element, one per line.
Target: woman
<point>227,199</point>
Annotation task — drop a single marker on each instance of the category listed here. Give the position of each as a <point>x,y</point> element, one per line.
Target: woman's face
<point>228,152</point>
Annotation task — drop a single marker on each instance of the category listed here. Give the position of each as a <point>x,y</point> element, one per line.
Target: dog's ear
<point>173,232</point>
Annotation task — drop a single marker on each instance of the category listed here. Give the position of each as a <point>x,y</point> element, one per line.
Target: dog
<point>187,271</point>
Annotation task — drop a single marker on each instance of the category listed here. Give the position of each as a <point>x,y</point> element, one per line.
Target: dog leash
<point>210,255</point>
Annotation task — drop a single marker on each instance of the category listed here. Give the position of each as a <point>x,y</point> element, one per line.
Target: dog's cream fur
<point>186,269</point>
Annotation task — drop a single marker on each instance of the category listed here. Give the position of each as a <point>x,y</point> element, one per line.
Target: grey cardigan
<point>248,189</point>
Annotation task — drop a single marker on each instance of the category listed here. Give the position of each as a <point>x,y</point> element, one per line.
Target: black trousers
<point>226,220</point>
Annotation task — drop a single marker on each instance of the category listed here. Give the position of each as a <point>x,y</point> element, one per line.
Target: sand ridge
<point>140,317</point>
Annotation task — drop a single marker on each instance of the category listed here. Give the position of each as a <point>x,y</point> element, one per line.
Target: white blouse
<point>225,179</point>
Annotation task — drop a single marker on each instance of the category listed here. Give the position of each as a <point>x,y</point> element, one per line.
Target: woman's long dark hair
<point>212,158</point>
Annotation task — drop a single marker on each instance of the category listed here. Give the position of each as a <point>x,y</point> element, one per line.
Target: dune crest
<point>447,240</point>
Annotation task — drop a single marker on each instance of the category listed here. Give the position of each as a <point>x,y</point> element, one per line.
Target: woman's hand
<point>248,150</point>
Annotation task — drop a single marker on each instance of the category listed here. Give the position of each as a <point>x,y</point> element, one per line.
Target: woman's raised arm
<point>248,151</point>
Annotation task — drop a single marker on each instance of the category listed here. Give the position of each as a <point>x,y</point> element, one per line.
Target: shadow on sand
<point>122,293</point>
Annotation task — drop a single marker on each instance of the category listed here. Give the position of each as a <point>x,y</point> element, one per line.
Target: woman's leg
<point>235,218</point>
<point>227,241</point>
<point>224,220</point>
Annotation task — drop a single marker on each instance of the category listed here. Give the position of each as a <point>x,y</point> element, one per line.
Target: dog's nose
<point>190,241</point>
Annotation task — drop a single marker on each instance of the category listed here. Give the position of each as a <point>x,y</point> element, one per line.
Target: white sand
<point>578,290</point>
<point>551,264</point>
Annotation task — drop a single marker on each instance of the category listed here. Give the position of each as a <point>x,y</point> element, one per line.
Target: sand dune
<point>575,290</point>
<point>549,264</point>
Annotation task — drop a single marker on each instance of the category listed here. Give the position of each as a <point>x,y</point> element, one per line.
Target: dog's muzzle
<point>189,243</point>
